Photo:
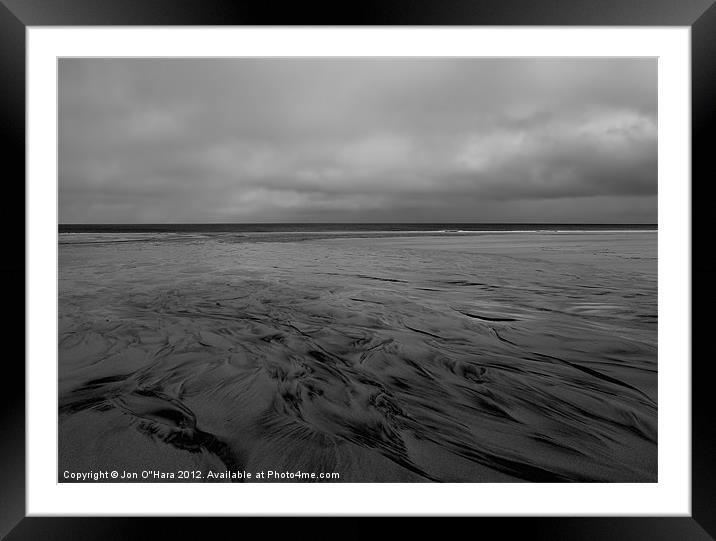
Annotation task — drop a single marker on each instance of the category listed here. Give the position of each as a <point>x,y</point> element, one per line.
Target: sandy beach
<point>475,357</point>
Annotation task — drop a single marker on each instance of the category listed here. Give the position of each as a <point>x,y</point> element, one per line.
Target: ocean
<point>381,352</point>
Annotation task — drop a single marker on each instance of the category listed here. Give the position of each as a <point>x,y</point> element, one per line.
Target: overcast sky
<point>357,140</point>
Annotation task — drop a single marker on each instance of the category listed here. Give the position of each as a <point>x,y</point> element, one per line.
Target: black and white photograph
<point>357,269</point>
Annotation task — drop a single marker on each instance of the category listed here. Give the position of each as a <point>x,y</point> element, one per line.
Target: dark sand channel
<point>461,357</point>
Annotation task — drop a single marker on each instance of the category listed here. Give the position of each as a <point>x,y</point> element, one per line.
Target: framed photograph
<point>420,262</point>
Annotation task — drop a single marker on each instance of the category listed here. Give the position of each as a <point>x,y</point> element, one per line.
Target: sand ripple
<point>383,359</point>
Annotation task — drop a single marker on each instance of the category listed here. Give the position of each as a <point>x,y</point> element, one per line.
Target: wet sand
<point>458,357</point>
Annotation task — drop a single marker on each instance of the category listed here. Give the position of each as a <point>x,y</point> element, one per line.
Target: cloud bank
<point>364,140</point>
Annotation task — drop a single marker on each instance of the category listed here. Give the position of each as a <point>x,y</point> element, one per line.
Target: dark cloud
<point>204,140</point>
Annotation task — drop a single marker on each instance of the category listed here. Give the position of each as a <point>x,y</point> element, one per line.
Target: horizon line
<point>356,223</point>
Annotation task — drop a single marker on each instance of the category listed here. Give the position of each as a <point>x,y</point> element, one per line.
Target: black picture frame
<point>16,15</point>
